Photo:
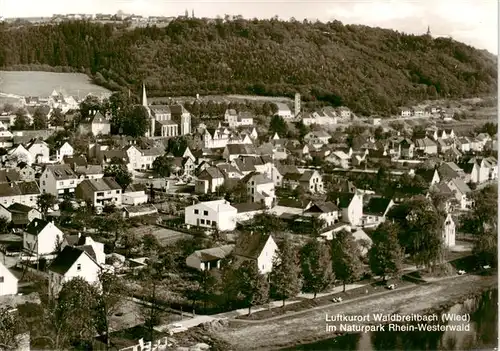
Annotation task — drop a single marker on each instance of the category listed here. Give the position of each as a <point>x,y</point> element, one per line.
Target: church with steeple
<point>166,120</point>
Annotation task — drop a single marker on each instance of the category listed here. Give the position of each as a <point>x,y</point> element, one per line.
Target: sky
<point>474,22</point>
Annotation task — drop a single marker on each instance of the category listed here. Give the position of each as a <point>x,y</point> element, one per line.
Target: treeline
<point>370,70</point>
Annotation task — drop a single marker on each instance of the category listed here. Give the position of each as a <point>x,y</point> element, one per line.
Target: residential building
<point>430,176</point>
<point>350,206</point>
<point>39,151</point>
<point>41,237</point>
<point>71,263</point>
<point>461,191</point>
<point>405,112</point>
<point>100,192</point>
<point>280,170</point>
<point>317,138</point>
<point>237,119</point>
<point>25,193</point>
<point>260,189</point>
<point>134,195</point>
<point>284,111</point>
<point>217,213</point>
<point>449,231</point>
<point>96,124</point>
<point>65,150</point>
<point>58,180</point>
<point>325,211</point>
<point>407,148</point>
<point>208,259</point>
<point>142,159</point>
<point>19,154</point>
<point>8,281</point>
<point>344,113</point>
<point>257,247</point>
<point>88,172</point>
<point>310,180</point>
<point>233,151</point>
<point>426,146</point>
<point>22,215</point>
<point>375,211</point>
<point>339,158</point>
<point>139,210</point>
<point>209,180</point>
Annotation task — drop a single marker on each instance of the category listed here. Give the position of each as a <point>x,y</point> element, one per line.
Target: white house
<point>375,211</point>
<point>260,189</point>
<point>39,151</point>
<point>8,281</point>
<point>19,154</point>
<point>351,207</point>
<point>210,214</point>
<point>70,263</point>
<point>100,192</point>
<point>143,158</point>
<point>41,237</point>
<point>134,198</point>
<point>257,247</point>
<point>449,232</point>
<point>100,125</point>
<point>461,191</point>
<point>237,119</point>
<point>284,111</point>
<point>209,180</point>
<point>58,180</point>
<point>207,259</point>
<point>65,150</point>
<point>25,193</point>
<point>326,211</point>
<point>339,158</point>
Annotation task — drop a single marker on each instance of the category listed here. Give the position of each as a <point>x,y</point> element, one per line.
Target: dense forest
<point>370,70</point>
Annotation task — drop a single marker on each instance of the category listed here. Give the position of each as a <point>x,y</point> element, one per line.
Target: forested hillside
<point>371,70</point>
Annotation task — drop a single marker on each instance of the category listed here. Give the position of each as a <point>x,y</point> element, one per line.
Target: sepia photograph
<point>247,175</point>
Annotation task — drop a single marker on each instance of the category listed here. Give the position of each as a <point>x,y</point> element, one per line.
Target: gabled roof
<point>251,245</point>
<point>99,119</point>
<point>447,172</point>
<point>36,226</point>
<point>342,200</point>
<point>66,259</point>
<point>101,184</point>
<point>322,207</point>
<point>19,188</point>
<point>75,160</point>
<point>214,253</point>
<point>376,206</point>
<point>307,175</point>
<point>256,177</point>
<point>19,208</point>
<point>461,186</point>
<point>426,174</point>
<point>9,175</point>
<point>425,142</point>
<point>284,169</point>
<point>240,149</point>
<point>61,172</point>
<point>211,173</point>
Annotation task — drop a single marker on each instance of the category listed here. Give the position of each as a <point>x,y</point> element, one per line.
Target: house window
<point>1,279</point>
<point>205,213</point>
<point>79,267</point>
<point>43,182</point>
<point>208,222</point>
<point>61,183</point>
<point>196,211</point>
<point>202,221</point>
<point>100,194</point>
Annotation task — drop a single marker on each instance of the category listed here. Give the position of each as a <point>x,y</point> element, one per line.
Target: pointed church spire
<point>144,96</point>
<point>428,30</point>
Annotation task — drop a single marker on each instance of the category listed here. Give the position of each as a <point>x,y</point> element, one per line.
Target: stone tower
<point>151,132</point>
<point>297,104</point>
<point>185,122</point>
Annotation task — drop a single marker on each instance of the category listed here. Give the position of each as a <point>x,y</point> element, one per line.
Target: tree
<point>254,286</point>
<point>316,266</point>
<point>238,193</point>
<point>345,258</point>
<point>420,230</point>
<point>10,327</point>
<point>109,301</point>
<point>39,119</point>
<point>89,105</point>
<point>278,125</point>
<point>163,166</point>
<point>266,223</point>
<point>230,284</point>
<point>75,314</point>
<point>152,311</point>
<point>21,122</point>
<point>482,222</point>
<point>177,145</point>
<point>285,276</point>
<point>45,202</point>
<point>4,224</point>
<point>302,130</point>
<point>150,244</point>
<point>135,121</point>
<point>120,173</point>
<point>386,255</point>
<point>57,118</point>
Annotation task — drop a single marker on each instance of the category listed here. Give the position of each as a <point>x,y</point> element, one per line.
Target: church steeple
<point>144,96</point>
<point>429,30</point>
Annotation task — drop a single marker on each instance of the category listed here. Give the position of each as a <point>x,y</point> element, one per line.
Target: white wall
<point>265,259</point>
<point>8,282</point>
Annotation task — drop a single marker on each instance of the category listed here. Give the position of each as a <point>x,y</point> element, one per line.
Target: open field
<point>35,83</point>
<point>310,325</point>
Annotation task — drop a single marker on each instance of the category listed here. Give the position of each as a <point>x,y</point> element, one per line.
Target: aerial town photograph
<point>243,175</point>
